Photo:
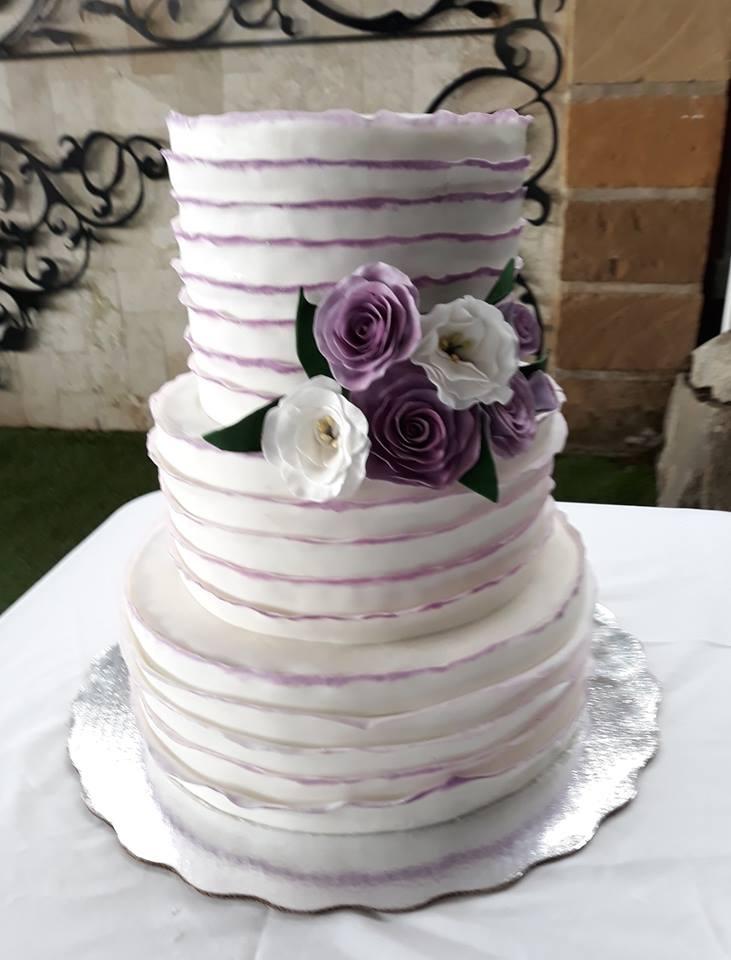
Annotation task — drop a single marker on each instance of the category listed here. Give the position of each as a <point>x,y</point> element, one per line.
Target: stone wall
<point>618,268</point>
<point>106,344</point>
<point>646,126</point>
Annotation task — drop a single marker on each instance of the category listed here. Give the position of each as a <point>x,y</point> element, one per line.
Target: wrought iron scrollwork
<point>45,245</point>
<point>515,64</point>
<point>187,24</point>
<point>273,14</point>
<point>52,212</point>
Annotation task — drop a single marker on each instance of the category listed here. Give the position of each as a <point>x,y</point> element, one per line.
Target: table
<point>654,883</point>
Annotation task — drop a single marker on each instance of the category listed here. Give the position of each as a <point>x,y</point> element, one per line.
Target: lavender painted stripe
<point>402,576</point>
<point>249,803</point>
<point>365,242</point>
<point>554,673</point>
<point>452,766</point>
<point>271,290</point>
<point>270,614</point>
<point>342,680</point>
<point>358,203</point>
<point>470,517</point>
<point>227,385</point>
<point>411,874</point>
<point>350,118</point>
<point>263,363</point>
<point>557,670</point>
<point>184,298</point>
<point>519,163</point>
<point>336,506</point>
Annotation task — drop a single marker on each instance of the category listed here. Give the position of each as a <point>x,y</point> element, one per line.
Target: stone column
<point>694,469</point>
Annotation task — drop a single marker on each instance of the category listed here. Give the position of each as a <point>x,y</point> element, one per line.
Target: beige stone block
<point>78,411</point>
<point>38,389</point>
<point>12,408</point>
<point>70,372</point>
<point>144,342</point>
<point>139,104</point>
<point>200,85</point>
<point>29,91</point>
<point>62,327</point>
<point>395,61</point>
<point>541,250</point>
<point>7,113</point>
<point>293,78</point>
<point>124,413</point>
<point>147,242</point>
<point>172,328</point>
<point>73,96</point>
<point>143,290</point>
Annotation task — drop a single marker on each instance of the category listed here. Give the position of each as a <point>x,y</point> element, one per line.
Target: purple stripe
<point>278,366</point>
<point>356,617</point>
<point>249,803</point>
<point>227,385</point>
<point>336,506</point>
<point>556,670</point>
<point>184,298</point>
<point>516,693</point>
<point>388,240</point>
<point>451,766</point>
<point>474,514</point>
<point>427,495</point>
<point>410,874</point>
<point>342,680</point>
<point>519,163</point>
<point>415,573</point>
<point>362,203</point>
<point>350,118</point>
<point>270,290</point>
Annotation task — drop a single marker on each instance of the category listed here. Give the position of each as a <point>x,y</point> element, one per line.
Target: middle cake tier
<point>389,563</point>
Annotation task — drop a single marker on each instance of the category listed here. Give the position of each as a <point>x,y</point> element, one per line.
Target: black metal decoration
<point>52,212</point>
<point>48,250</point>
<point>394,22</point>
<point>181,25</point>
<point>515,64</point>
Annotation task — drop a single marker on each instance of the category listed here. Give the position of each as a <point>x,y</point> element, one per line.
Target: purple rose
<point>545,398</point>
<point>366,323</point>
<point>414,437</point>
<point>524,321</point>
<point>511,426</point>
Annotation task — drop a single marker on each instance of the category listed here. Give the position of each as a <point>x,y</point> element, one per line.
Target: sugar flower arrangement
<point>393,394</point>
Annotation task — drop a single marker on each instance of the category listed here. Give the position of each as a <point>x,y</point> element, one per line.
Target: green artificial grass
<point>57,486</point>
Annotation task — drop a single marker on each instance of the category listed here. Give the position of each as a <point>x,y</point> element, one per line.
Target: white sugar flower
<point>469,353</point>
<point>317,440</point>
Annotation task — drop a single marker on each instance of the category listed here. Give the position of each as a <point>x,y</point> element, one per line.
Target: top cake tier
<point>343,135</point>
<point>271,202</point>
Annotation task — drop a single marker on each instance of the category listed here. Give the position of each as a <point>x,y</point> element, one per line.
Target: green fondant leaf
<point>309,356</point>
<point>244,436</point>
<point>482,478</point>
<point>504,283</point>
<point>528,369</point>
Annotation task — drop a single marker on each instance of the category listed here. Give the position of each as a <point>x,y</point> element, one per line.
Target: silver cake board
<point>555,815</point>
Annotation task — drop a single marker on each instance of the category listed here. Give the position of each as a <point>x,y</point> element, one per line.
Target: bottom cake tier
<point>330,738</point>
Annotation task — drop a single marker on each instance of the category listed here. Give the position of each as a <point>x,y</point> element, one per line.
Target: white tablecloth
<point>654,884</point>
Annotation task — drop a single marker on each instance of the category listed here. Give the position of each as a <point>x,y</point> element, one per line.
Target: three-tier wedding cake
<point>364,612</point>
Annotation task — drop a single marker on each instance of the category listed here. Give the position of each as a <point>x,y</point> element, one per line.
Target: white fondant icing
<point>386,660</point>
<point>341,134</point>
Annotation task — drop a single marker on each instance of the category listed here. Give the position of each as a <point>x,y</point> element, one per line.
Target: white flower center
<point>326,431</point>
<point>455,346</point>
